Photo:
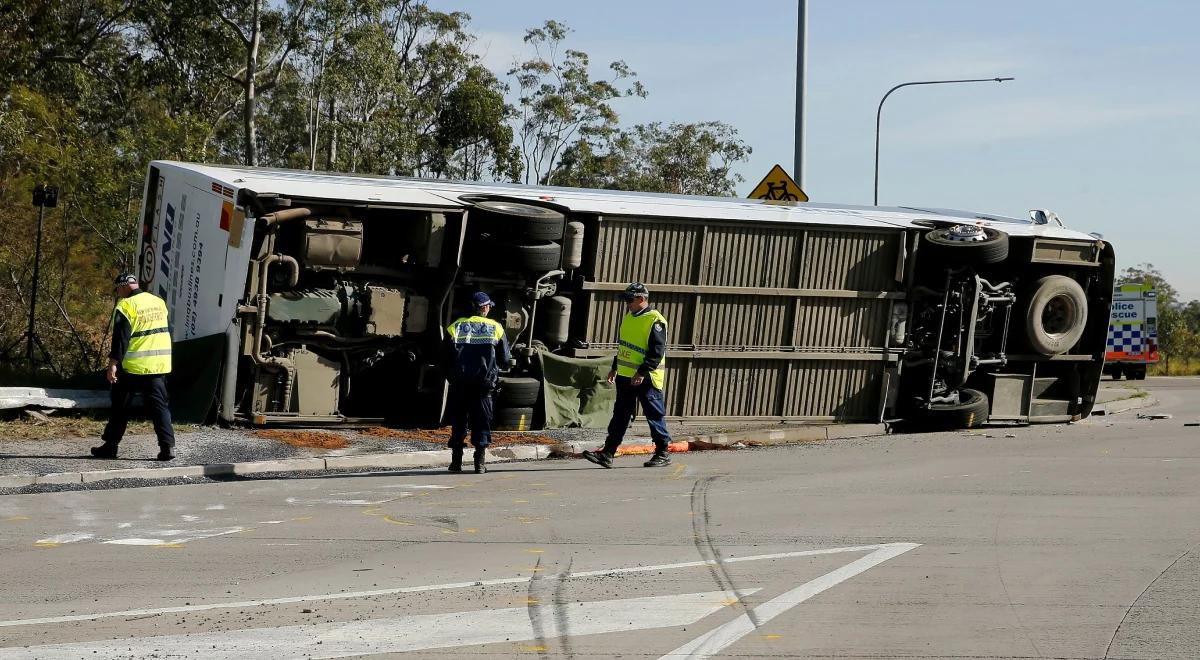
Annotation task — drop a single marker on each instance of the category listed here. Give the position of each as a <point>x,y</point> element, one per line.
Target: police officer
<point>139,361</point>
<point>476,349</point>
<point>638,373</point>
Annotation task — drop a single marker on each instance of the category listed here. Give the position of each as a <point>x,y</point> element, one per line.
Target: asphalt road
<point>1057,542</point>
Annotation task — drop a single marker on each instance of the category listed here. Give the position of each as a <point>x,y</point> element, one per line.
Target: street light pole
<point>801,74</point>
<point>879,114</point>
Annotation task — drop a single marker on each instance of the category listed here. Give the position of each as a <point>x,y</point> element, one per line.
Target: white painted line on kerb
<point>440,587</point>
<point>399,634</point>
<point>721,637</point>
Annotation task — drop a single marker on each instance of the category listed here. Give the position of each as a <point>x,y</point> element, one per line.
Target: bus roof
<point>437,193</point>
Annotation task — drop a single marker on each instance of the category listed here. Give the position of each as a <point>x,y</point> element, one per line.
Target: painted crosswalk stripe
<point>285,600</point>
<point>401,634</point>
<point>721,637</point>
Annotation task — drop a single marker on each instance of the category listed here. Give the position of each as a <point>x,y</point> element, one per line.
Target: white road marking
<point>175,536</point>
<point>335,502</point>
<point>721,637</point>
<point>418,486</point>
<point>70,537</point>
<point>442,587</point>
<point>406,633</point>
<point>136,541</point>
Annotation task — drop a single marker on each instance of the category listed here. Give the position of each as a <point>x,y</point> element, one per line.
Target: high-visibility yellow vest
<point>475,330</point>
<point>634,340</point>
<point>150,342</point>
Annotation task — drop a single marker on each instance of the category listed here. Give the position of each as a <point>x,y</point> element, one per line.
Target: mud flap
<point>196,370</point>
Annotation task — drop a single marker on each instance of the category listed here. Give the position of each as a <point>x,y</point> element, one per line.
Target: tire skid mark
<point>708,549</point>
<point>560,610</point>
<point>534,608</point>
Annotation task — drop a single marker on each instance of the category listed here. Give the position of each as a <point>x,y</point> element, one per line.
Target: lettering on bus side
<point>164,254</point>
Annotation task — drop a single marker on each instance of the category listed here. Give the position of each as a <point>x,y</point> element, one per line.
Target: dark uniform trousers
<point>470,405</point>
<point>653,407</point>
<point>153,388</point>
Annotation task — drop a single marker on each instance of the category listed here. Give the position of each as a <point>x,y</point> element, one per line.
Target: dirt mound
<point>313,439</point>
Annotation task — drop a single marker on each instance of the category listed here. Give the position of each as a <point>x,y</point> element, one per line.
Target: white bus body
<point>305,298</point>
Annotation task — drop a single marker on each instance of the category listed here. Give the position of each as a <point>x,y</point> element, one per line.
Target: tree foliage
<point>559,101</point>
<point>692,159</point>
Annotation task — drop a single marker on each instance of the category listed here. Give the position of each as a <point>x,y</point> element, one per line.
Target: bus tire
<point>970,411</point>
<point>513,419</point>
<point>1116,372</point>
<point>518,391</point>
<point>1056,315</point>
<point>523,221</point>
<point>536,257</point>
<point>941,246</point>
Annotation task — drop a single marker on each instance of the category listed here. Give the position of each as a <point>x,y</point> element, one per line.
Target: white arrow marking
<point>719,638</point>
<point>401,634</point>
<point>286,600</point>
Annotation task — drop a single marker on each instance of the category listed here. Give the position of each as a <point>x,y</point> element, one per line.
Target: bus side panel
<point>765,320</point>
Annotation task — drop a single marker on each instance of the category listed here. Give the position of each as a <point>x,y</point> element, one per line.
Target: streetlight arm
<point>879,113</point>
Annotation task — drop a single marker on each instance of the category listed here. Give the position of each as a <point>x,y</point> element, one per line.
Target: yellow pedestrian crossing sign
<point>778,186</point>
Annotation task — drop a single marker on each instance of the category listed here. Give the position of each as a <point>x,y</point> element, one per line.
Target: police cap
<point>634,290</point>
<point>480,299</point>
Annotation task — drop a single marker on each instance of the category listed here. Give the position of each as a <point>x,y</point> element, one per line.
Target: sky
<point>1101,125</point>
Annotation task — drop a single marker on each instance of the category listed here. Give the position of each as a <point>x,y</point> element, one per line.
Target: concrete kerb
<point>17,480</point>
<point>417,459</point>
<point>1125,405</point>
<point>93,476</point>
<point>59,478</point>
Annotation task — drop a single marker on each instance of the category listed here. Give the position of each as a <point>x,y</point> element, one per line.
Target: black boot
<point>105,450</point>
<point>601,457</point>
<point>165,453</point>
<point>660,458</point>
<point>480,461</point>
<point>456,459</point>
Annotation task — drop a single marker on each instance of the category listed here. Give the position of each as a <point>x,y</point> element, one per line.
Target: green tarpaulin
<point>577,395</point>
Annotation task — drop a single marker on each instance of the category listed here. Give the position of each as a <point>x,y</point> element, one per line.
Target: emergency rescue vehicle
<point>1132,331</point>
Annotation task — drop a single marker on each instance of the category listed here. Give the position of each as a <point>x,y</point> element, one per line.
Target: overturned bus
<point>308,298</point>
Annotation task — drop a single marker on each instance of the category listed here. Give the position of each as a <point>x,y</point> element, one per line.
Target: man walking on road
<point>639,375</point>
<point>139,361</point>
<point>476,348</point>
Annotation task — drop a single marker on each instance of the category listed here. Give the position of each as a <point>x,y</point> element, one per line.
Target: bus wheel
<point>518,391</point>
<point>539,257</point>
<point>1116,373</point>
<point>524,221</point>
<point>1056,315</point>
<point>970,411</point>
<point>967,245</point>
<point>513,419</point>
